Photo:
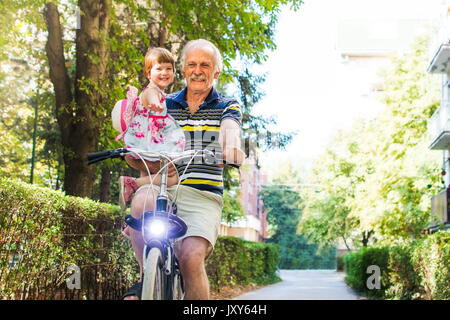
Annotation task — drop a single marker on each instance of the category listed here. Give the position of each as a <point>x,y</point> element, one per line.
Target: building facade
<point>439,123</point>
<point>253,227</point>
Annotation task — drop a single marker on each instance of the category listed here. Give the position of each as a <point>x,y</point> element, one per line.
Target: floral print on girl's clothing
<point>154,132</point>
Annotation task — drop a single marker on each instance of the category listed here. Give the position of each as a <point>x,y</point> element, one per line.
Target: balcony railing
<point>439,45</point>
<point>440,63</point>
<point>439,128</point>
<point>440,208</point>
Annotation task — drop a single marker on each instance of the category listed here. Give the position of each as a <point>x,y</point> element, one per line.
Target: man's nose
<point>197,70</point>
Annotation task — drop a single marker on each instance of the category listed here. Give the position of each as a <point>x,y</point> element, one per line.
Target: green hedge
<point>417,270</point>
<point>356,264</point>
<point>238,262</point>
<point>43,232</point>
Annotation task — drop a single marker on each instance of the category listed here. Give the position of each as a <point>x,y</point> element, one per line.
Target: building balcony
<point>440,62</point>
<point>439,48</point>
<point>440,208</point>
<point>439,128</point>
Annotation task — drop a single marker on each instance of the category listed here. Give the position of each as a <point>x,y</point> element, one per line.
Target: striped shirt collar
<point>180,97</point>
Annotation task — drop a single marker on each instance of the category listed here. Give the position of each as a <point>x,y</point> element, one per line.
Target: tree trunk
<point>76,115</point>
<point>365,237</point>
<point>105,183</point>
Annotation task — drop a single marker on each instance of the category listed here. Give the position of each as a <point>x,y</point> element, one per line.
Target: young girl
<point>149,126</point>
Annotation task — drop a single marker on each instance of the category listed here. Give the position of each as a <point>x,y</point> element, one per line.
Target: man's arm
<point>229,140</point>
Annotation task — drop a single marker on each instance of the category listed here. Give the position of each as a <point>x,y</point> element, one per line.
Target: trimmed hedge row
<point>43,232</point>
<point>238,262</point>
<point>418,270</point>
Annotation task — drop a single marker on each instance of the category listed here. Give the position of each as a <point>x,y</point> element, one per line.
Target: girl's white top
<point>151,131</point>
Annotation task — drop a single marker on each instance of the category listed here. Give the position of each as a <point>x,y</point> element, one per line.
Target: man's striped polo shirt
<point>202,132</point>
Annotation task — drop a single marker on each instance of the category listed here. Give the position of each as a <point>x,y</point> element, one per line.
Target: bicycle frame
<point>165,211</point>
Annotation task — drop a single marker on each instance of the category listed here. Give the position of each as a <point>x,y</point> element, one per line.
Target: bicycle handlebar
<point>103,155</point>
<point>117,153</point>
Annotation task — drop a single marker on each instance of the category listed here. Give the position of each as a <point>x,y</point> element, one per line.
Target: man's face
<point>199,70</point>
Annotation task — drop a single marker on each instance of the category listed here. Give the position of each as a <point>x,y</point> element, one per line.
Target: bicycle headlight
<point>155,227</point>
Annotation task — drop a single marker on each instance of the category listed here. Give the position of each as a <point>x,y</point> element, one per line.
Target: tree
<point>284,210</point>
<point>379,176</point>
<point>327,216</point>
<point>90,68</point>
<point>232,207</point>
<point>76,111</point>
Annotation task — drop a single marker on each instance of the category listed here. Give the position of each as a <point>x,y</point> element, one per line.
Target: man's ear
<point>216,74</point>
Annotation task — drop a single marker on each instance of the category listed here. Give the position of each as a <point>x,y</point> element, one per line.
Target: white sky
<point>304,84</point>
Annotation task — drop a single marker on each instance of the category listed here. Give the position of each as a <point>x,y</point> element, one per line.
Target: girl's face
<point>162,75</point>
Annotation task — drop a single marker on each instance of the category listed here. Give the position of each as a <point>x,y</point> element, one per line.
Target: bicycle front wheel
<point>152,285</point>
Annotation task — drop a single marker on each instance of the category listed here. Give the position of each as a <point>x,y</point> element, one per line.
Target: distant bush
<point>418,270</point>
<point>356,266</point>
<point>431,261</point>
<point>340,263</point>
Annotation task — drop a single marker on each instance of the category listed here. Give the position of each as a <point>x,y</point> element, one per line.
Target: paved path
<point>305,285</point>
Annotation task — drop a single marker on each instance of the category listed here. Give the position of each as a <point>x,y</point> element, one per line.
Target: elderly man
<point>208,119</point>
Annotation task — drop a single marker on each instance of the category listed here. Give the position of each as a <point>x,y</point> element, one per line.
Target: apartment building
<point>253,227</point>
<point>439,123</point>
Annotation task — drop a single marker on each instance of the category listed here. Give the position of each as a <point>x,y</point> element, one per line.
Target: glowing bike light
<point>156,228</point>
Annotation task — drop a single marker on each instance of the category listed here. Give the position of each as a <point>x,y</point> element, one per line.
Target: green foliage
<point>403,279</point>
<point>242,30</point>
<point>45,232</point>
<point>356,264</point>
<point>418,269</point>
<point>340,263</point>
<point>238,262</point>
<point>232,207</point>
<point>431,260</point>
<point>283,203</point>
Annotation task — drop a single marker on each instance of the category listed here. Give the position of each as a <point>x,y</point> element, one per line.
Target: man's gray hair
<point>202,44</point>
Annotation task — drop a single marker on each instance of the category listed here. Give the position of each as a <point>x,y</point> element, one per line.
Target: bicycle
<point>162,276</point>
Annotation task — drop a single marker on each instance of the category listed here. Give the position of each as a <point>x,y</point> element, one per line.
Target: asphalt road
<point>305,285</point>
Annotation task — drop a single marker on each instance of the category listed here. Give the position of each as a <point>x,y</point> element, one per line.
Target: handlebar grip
<point>97,160</point>
<point>103,155</point>
<point>92,156</point>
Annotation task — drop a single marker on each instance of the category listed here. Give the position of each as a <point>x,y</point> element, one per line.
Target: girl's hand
<point>155,108</point>
<point>151,100</point>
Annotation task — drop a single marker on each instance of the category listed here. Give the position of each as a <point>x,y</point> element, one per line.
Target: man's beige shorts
<point>201,210</point>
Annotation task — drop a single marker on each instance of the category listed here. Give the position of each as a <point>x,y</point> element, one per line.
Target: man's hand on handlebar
<point>233,156</point>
